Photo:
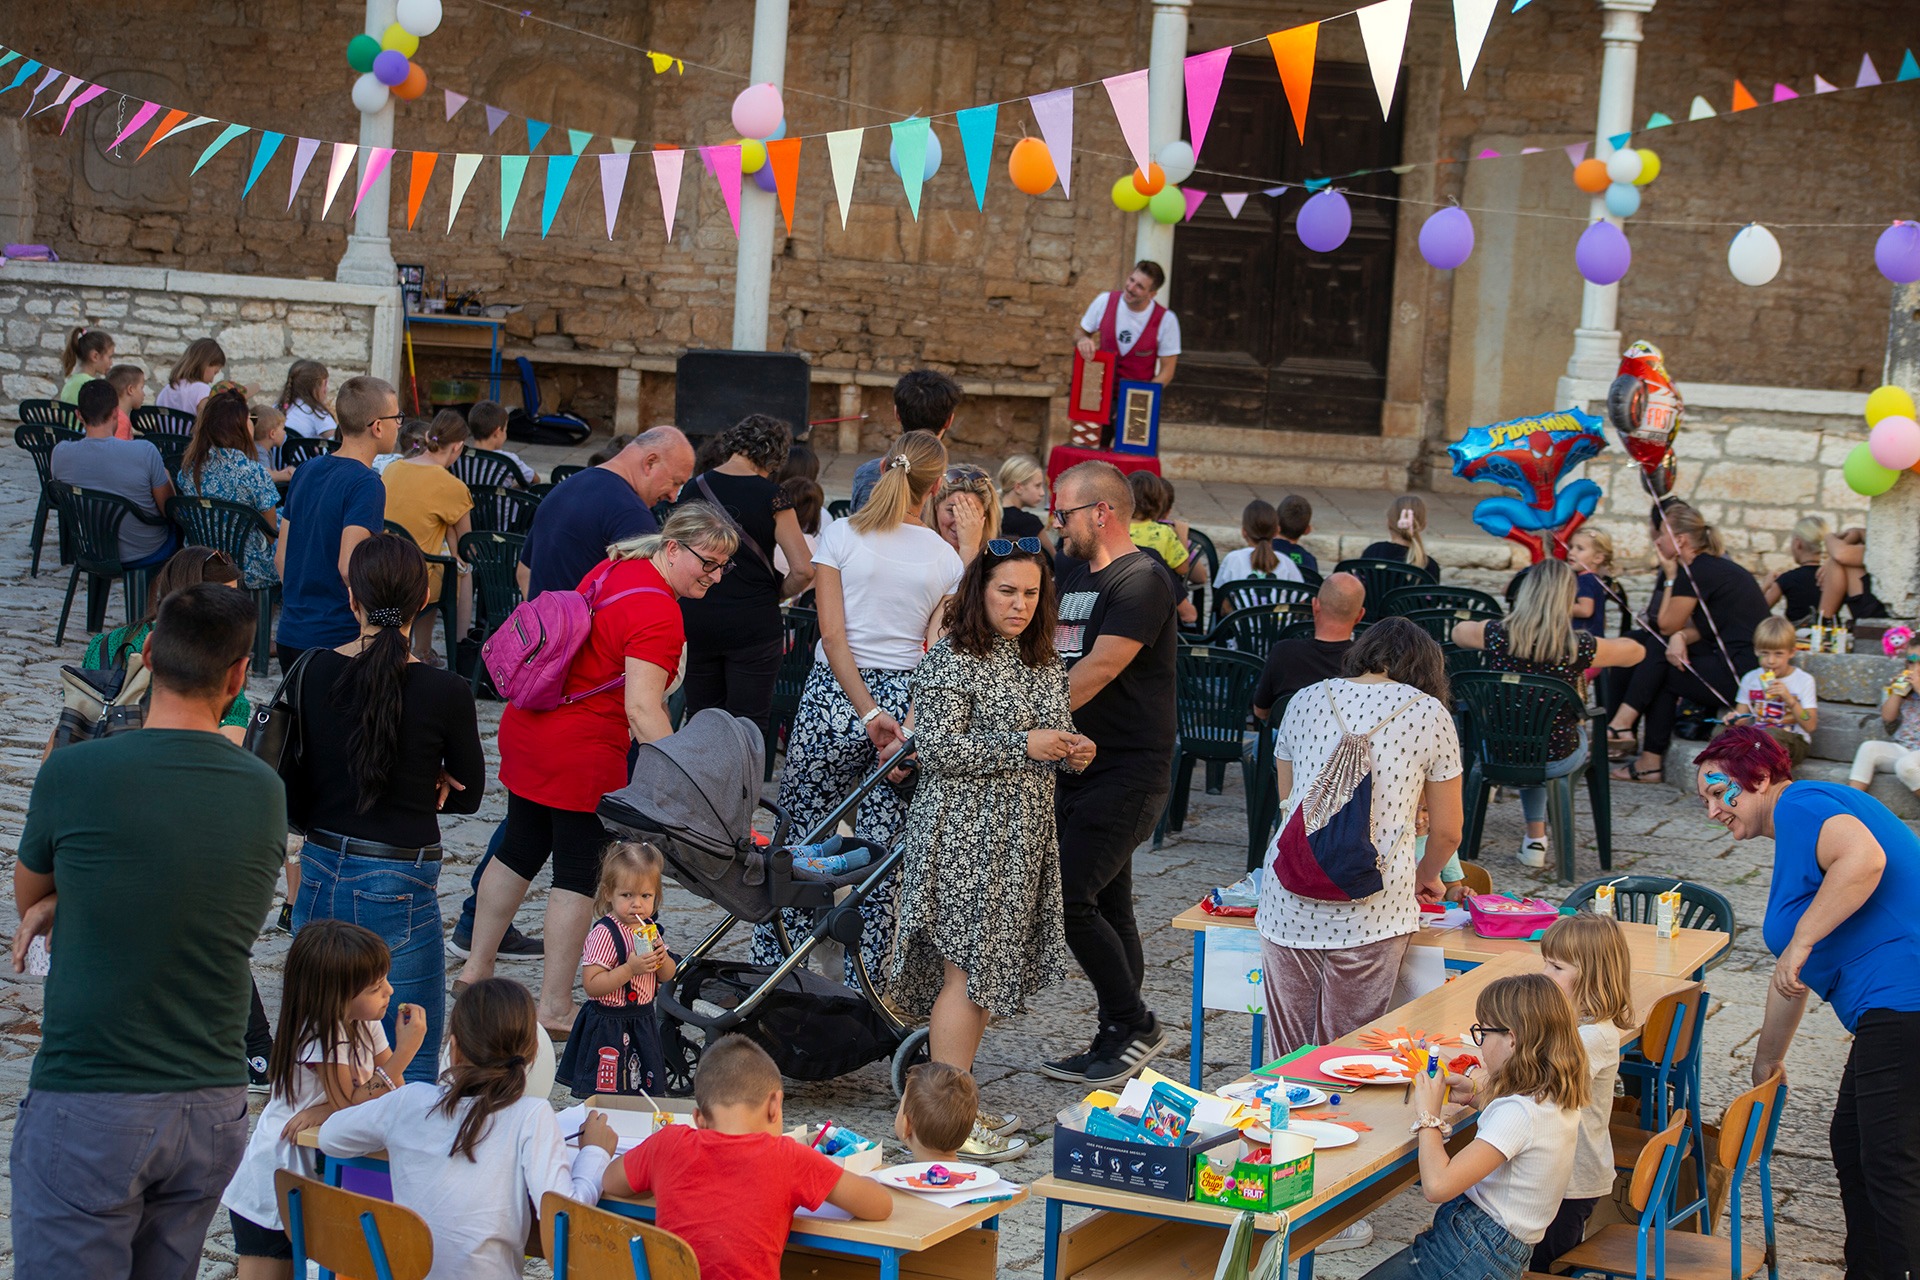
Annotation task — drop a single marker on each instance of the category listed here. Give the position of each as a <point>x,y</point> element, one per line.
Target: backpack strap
<point>747,540</point>
<point>594,605</point>
<point>1341,721</point>
<point>620,950</point>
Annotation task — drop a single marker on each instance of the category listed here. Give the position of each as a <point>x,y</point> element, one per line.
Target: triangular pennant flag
<point>1274,191</point>
<point>1700,110</point>
<point>8,56</point>
<point>613,183</point>
<point>140,117</point>
<point>419,171</point>
<point>1531,151</point>
<point>302,157</point>
<point>1235,201</point>
<point>455,101</point>
<point>465,166</point>
<point>1741,98</point>
<point>910,148</point>
<point>1383,29</point>
<point>87,95</point>
<point>577,140</point>
<point>66,91</point>
<point>1204,71</point>
<point>343,153</point>
<point>495,118</point>
<point>661,61</point>
<point>29,68</point>
<point>1488,154</point>
<point>1128,93</point>
<point>843,151</point>
<point>1781,93</point>
<point>559,173</point>
<point>53,73</point>
<point>1194,200</point>
<point>1054,113</point>
<point>1317,184</point>
<point>536,130</point>
<point>1820,85</point>
<point>724,164</point>
<point>1518,5</point>
<point>1909,68</point>
<point>1293,55</point>
<point>1471,18</point>
<point>622,146</point>
<point>513,171</point>
<point>167,122</point>
<point>667,164</point>
<point>269,143</point>
<point>227,135</point>
<point>783,157</point>
<point>1576,152</point>
<point>378,158</point>
<point>1619,140</point>
<point>1868,74</point>
<point>1659,120</point>
<point>976,141</point>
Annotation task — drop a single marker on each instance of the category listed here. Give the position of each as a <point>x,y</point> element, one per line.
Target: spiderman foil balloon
<point>1645,409</point>
<point>1531,455</point>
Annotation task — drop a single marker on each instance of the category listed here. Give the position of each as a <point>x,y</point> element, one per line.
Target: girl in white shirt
<point>1259,525</point>
<point>304,400</point>
<point>472,1155</point>
<point>1498,1195</point>
<point>192,377</point>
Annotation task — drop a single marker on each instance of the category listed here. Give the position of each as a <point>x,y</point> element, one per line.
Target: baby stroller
<point>693,795</point>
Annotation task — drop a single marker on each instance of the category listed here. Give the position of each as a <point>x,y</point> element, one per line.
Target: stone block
<point>22,333</point>
<point>254,341</point>
<point>1756,481</point>
<point>1773,444</point>
<point>1855,678</point>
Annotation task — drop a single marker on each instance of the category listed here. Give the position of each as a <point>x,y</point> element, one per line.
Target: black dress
<point>614,1050</point>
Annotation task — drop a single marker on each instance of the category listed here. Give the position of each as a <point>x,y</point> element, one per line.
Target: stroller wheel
<point>911,1053</point>
<point>680,1047</point>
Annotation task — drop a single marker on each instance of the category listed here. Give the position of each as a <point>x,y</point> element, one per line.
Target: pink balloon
<point>757,111</point>
<point>1895,443</point>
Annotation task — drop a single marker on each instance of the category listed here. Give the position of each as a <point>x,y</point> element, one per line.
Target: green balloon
<point>361,51</point>
<point>1865,476</point>
<point>1168,206</point>
<point>1126,196</point>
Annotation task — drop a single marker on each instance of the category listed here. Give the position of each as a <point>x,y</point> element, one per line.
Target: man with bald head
<point>593,509</point>
<point>1295,664</point>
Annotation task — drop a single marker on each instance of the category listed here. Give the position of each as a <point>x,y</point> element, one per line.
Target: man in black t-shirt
<point>1117,637</point>
<point>1295,664</point>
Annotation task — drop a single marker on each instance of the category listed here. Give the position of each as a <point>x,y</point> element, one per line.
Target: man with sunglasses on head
<point>1117,636</point>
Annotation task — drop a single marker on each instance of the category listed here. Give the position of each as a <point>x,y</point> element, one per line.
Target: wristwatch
<point>870,717</point>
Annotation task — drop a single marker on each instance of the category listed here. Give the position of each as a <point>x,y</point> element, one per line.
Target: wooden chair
<point>1668,1066</point>
<point>586,1243</point>
<point>1479,879</point>
<point>1648,1251</point>
<point>350,1234</point>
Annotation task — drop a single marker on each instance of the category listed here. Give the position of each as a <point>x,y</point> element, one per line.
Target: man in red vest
<point>1144,335</point>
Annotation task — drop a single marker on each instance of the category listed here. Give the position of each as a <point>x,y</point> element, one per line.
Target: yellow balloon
<point>1128,197</point>
<point>753,155</point>
<point>400,40</point>
<point>1649,168</point>
<point>1888,402</point>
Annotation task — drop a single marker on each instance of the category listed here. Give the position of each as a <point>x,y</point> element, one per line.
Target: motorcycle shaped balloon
<point>1646,410</point>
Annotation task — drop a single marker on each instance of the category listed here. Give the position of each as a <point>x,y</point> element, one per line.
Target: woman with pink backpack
<point>562,748</point>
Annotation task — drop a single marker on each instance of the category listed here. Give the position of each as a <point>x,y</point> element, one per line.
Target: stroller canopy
<point>701,783</point>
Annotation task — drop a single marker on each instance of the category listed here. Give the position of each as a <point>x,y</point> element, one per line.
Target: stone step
<point>1857,678</point>
<point>1192,451</point>
<point>1886,788</point>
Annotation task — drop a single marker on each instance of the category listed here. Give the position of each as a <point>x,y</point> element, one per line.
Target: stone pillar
<point>369,255</point>
<point>753,255</point>
<point>1893,518</point>
<point>1166,91</point>
<point>1596,342</point>
<point>847,437</point>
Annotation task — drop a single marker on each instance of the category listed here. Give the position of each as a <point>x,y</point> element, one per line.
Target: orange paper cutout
<point>168,123</point>
<point>420,168</point>
<point>783,155</point>
<point>1293,54</point>
<point>1741,98</point>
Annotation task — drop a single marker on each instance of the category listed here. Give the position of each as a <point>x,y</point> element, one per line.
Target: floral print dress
<point>231,476</point>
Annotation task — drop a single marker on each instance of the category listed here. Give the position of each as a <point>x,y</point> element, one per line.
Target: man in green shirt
<point>150,857</point>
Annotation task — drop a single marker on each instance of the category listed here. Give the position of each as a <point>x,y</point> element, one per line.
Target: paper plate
<point>911,1177</point>
<point>1392,1070</point>
<point>1324,1133</point>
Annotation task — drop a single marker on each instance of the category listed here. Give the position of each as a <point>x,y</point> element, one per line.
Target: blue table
<point>463,333</point>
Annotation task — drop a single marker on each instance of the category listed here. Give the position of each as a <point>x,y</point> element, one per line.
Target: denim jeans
<point>397,901</point>
<point>1533,800</point>
<point>1462,1244</point>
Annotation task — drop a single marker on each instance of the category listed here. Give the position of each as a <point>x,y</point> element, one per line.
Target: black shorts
<point>251,1240</point>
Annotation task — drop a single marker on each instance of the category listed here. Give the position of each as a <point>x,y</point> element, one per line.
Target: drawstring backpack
<point>1326,850</point>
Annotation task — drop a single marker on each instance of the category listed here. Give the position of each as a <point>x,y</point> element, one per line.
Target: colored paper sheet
<point>302,157</point>
<point>910,146</point>
<point>1741,98</point>
<point>343,153</point>
<point>378,158</point>
<point>559,173</point>
<point>621,146</point>
<point>613,184</point>
<point>1054,113</point>
<point>536,130</point>
<point>495,118</point>
<point>419,171</point>
<point>1235,201</point>
<point>167,124</point>
<point>1909,68</point>
<point>843,151</point>
<point>1869,75</point>
<point>513,171</point>
<point>1194,200</point>
<point>269,143</point>
<point>1471,18</point>
<point>455,101</point>
<point>140,117</point>
<point>667,164</point>
<point>465,166</point>
<point>976,141</point>
<point>1820,85</point>
<point>724,164</point>
<point>1293,55</point>
<point>577,140</point>
<point>1576,152</point>
<point>1659,120</point>
<point>1204,72</point>
<point>1700,109</point>
<point>1383,29</point>
<point>20,76</point>
<point>227,135</point>
<point>86,95</point>
<point>783,155</point>
<point>1128,94</point>
<point>1781,93</point>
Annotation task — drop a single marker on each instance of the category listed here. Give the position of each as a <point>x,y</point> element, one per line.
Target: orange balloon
<point>1030,165</point>
<point>1150,182</point>
<point>414,85</point>
<point>1591,176</point>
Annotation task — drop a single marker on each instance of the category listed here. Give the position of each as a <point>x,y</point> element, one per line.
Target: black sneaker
<point>1072,1069</point>
<point>515,946</point>
<point>285,922</point>
<point>257,1075</point>
<point>1120,1056</point>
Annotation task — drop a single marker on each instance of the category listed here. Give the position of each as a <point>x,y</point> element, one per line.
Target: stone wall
<point>152,313</point>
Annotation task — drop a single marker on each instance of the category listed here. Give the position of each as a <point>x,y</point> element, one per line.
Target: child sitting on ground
<point>729,1186</point>
<point>1776,695</point>
<point>1800,585</point>
<point>1900,712</point>
<point>1296,522</point>
<point>269,433</point>
<point>937,1111</point>
<point>622,966</point>
<point>1259,526</point>
<point>487,421</point>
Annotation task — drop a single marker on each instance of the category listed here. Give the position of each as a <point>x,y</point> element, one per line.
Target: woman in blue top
<point>1843,915</point>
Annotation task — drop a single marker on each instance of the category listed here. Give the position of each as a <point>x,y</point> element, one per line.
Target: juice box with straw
<point>1666,911</point>
<point>1603,901</point>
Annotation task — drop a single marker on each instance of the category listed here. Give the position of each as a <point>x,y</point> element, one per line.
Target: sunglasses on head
<point>1007,546</point>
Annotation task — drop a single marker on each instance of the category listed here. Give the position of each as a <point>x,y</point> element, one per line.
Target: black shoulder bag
<point>275,734</point>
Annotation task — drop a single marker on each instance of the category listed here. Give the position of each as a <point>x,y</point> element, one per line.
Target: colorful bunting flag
<point>343,153</point>
<point>1868,74</point>
<point>1274,191</point>
<point>227,135</point>
<point>621,146</point>
<point>559,173</point>
<point>783,157</point>
<point>661,61</point>
<point>1488,154</point>
<point>1531,151</point>
<point>577,140</point>
<point>53,73</point>
<point>1909,68</point>
<point>613,183</point>
<point>1054,114</point>
<point>976,141</point>
<point>378,158</point>
<point>1576,153</point>
<point>1383,29</point>
<point>1820,85</point>
<point>1781,93</point>
<point>8,56</point>
<point>1471,18</point>
<point>87,95</point>
<point>724,164</point>
<point>843,151</point>
<point>302,157</point>
<point>1317,184</point>
<point>1700,110</point>
<point>1659,120</point>
<point>495,118</point>
<point>167,123</point>
<point>1619,140</point>
<point>513,171</point>
<point>667,165</point>
<point>1741,98</point>
<point>536,130</point>
<point>140,117</point>
<point>1194,200</point>
<point>1204,72</point>
<point>269,143</point>
<point>66,91</point>
<point>910,149</point>
<point>1128,94</point>
<point>419,170</point>
<point>455,101</point>
<point>20,77</point>
<point>1518,5</point>
<point>1293,55</point>
<point>1235,201</point>
<point>465,165</point>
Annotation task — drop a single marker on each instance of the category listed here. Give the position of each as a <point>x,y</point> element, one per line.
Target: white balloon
<point>1624,165</point>
<point>1754,255</point>
<point>369,95</point>
<point>418,17</point>
<point>1177,160</point>
<point>541,1072</point>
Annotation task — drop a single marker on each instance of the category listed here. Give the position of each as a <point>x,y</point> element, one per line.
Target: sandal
<point>1628,773</point>
<point>1622,744</point>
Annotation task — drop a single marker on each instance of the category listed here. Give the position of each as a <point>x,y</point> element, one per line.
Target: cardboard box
<point>1166,1172</point>
<point>853,1162</point>
<point>1225,1178</point>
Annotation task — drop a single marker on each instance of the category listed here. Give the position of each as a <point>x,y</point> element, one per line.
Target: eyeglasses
<point>1480,1033</point>
<point>1006,546</point>
<point>1060,514</point>
<point>718,568</point>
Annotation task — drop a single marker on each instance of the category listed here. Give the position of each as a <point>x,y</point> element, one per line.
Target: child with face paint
<point>1900,712</point>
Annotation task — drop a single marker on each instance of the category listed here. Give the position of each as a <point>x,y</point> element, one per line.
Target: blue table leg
<point>1050,1264</point>
<point>1195,1054</point>
<point>890,1265</point>
<point>1259,1042</point>
<point>1306,1267</point>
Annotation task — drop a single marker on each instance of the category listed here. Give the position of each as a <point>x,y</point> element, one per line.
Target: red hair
<point>1749,756</point>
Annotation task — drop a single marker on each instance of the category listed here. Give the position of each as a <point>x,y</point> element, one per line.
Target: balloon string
<point>1706,612</point>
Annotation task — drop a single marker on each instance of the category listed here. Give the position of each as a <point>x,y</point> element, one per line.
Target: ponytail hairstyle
<point>447,428</point>
<point>304,380</point>
<point>330,964</point>
<point>1687,522</point>
<point>202,357</point>
<point>1548,1062</point>
<point>494,1025</point>
<point>1260,525</point>
<point>910,469</point>
<point>225,423</point>
<point>83,344</point>
<point>1407,518</point>
<point>388,579</point>
<point>411,440</point>
<point>700,526</point>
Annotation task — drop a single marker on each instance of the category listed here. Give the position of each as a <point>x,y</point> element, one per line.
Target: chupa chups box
<point>865,1160</point>
<point>1225,1177</point>
<point>1142,1167</point>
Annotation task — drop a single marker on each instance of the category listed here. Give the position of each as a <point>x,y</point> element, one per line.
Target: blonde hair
<point>940,1102</point>
<point>1811,532</point>
<point>266,421</point>
<point>965,478</point>
<point>1602,542</point>
<point>1774,632</point>
<point>1408,504</point>
<point>1017,470</point>
<point>1686,522</point>
<point>1539,628</point>
<point>1548,1062</point>
<point>692,524</point>
<point>913,465</point>
<point>1594,946</point>
<point>625,858</point>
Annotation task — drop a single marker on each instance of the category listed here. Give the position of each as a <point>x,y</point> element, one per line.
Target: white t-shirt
<point>184,396</point>
<point>479,1210</point>
<point>1236,566</point>
<point>1128,325</point>
<point>1538,1139</point>
<point>1772,711</point>
<point>303,420</point>
<point>1593,1156</point>
<point>890,583</point>
<point>251,1193</point>
<point>1415,747</point>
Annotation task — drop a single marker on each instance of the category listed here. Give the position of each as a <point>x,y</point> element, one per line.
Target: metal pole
<point>369,255</point>
<point>753,256</point>
<point>1166,90</point>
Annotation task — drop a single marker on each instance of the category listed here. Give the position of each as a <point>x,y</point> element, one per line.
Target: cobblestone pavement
<point>1655,831</point>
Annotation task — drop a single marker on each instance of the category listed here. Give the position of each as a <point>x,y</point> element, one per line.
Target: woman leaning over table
<point>1843,916</point>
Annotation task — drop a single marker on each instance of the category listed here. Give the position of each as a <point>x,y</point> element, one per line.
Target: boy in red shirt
<point>729,1186</point>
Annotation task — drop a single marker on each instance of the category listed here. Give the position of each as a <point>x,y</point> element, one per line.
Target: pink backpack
<point>529,654</point>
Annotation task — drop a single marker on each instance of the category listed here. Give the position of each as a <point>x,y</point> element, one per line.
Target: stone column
<point>753,255</point>
<point>369,255</point>
<point>1893,518</point>
<point>1596,342</point>
<point>1166,90</point>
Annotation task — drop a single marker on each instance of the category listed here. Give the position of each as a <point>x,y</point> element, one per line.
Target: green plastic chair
<point>151,419</point>
<point>228,527</point>
<point>173,448</point>
<point>1382,577</point>
<point>37,440</point>
<point>1510,717</point>
<point>50,413</point>
<point>1439,623</point>
<point>799,630</point>
<point>495,558</point>
<point>94,516</point>
<point>1405,600</point>
<point>1635,900</point>
<point>502,509</point>
<point>561,472</point>
<point>1215,692</point>
<point>1263,788</point>
<point>1253,630</point>
<point>449,601</point>
<point>477,467</point>
<point>1259,593</point>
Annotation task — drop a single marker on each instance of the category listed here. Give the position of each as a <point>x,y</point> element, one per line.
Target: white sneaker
<point>1532,852</point>
<point>1004,1123</point>
<point>1357,1236</point>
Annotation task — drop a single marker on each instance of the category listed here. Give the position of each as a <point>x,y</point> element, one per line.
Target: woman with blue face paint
<point>1843,916</point>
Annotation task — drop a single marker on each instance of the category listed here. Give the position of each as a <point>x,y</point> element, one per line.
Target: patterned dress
<point>980,875</point>
<point>232,476</point>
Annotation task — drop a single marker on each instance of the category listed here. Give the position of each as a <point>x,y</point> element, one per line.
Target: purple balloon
<point>1603,254</point>
<point>1324,221</point>
<point>390,67</point>
<point>1897,252</point>
<point>1446,239</point>
<point>763,178</point>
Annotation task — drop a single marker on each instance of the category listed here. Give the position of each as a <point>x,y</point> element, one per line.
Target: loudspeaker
<point>712,390</point>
